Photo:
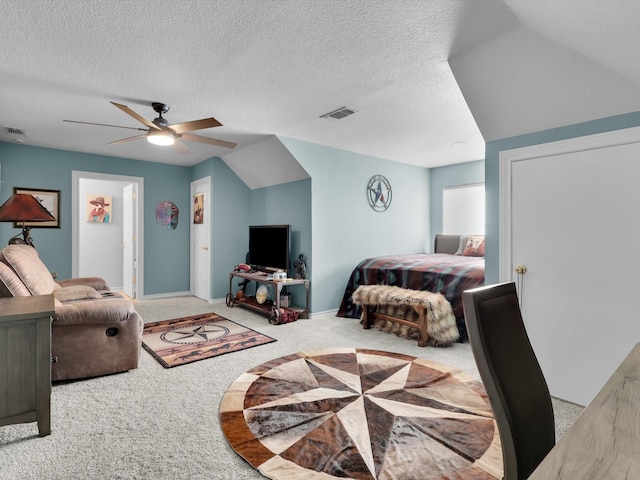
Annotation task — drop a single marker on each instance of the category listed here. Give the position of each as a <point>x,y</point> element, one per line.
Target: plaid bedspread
<point>434,272</point>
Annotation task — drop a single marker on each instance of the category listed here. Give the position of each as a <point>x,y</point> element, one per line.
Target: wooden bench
<point>435,315</point>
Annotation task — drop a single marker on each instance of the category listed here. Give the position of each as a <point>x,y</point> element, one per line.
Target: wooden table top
<point>603,441</point>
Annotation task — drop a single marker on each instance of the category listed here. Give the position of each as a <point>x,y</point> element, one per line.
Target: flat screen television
<point>269,247</point>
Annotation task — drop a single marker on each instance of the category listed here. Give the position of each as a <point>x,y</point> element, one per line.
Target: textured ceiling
<point>421,75</point>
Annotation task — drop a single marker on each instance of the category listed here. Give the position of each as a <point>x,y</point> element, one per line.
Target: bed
<point>456,265</point>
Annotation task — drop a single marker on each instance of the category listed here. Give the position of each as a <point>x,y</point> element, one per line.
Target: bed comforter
<point>447,274</point>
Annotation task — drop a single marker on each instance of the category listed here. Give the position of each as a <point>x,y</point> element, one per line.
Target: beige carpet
<point>162,424</point>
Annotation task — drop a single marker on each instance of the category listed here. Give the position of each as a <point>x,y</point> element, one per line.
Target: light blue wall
<point>288,203</point>
<point>492,172</point>
<point>235,207</point>
<point>345,230</point>
<point>166,260</point>
<point>451,175</point>
<point>331,220</point>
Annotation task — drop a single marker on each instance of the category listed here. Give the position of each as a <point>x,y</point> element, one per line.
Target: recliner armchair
<point>95,331</point>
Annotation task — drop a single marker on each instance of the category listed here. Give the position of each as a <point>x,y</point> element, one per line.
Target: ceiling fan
<point>161,132</point>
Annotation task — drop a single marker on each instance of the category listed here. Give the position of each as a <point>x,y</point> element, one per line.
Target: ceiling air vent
<point>14,131</point>
<point>339,113</point>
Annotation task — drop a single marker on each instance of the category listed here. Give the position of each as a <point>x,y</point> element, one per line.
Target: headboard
<point>446,243</point>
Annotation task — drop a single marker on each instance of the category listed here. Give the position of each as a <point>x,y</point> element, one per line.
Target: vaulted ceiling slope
<point>564,62</point>
<point>429,81</point>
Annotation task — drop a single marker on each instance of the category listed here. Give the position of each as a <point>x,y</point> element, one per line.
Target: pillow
<point>474,247</point>
<point>26,263</point>
<point>10,284</point>
<point>462,244</point>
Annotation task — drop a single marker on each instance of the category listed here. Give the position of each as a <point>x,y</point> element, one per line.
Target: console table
<point>251,303</point>
<point>603,441</point>
<point>25,361</point>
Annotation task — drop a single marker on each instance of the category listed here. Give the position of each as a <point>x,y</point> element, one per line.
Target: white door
<point>129,196</point>
<point>573,227</point>
<point>201,238</point>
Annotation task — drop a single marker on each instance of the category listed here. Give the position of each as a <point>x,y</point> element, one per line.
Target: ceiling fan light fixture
<point>160,138</point>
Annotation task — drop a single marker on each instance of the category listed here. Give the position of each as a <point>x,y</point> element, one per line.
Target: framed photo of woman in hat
<point>99,208</point>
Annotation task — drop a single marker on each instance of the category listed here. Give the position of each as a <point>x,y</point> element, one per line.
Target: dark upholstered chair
<point>512,377</point>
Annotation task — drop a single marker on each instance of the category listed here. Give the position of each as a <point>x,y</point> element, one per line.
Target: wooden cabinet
<point>25,361</point>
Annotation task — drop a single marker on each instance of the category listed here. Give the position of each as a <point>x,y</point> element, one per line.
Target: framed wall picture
<point>99,208</point>
<point>50,199</point>
<point>198,208</point>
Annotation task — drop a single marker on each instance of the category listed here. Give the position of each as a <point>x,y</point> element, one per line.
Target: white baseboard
<point>326,312</point>
<point>166,295</point>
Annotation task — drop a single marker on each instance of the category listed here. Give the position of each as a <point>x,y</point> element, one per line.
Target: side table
<point>25,361</point>
<point>277,285</point>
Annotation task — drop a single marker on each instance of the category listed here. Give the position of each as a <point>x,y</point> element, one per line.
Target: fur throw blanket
<point>399,302</point>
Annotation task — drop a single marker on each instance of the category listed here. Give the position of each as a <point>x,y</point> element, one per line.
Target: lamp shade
<point>22,207</point>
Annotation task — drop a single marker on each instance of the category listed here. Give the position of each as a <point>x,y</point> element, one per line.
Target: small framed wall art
<point>198,208</point>
<point>99,208</point>
<point>50,199</point>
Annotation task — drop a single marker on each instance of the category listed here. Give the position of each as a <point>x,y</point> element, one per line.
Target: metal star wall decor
<point>379,193</point>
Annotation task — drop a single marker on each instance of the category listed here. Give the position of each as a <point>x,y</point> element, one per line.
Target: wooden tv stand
<point>251,303</point>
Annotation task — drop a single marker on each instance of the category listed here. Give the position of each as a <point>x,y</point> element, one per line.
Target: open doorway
<point>108,245</point>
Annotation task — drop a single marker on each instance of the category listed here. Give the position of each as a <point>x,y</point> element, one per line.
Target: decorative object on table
<point>161,132</point>
<point>285,299</point>
<point>301,268</point>
<point>379,193</point>
<point>189,339</point>
<point>279,316</point>
<point>198,209</point>
<point>279,276</point>
<point>99,208</point>
<point>25,209</point>
<point>360,413</point>
<point>262,294</point>
<point>167,214</point>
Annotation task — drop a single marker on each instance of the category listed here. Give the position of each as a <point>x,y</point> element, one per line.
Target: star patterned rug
<point>189,339</point>
<point>361,414</point>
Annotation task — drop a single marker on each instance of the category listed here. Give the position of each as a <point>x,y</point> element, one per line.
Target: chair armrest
<point>75,292</point>
<point>96,283</point>
<point>104,311</point>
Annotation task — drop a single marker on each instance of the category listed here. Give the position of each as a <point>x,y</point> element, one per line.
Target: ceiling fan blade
<point>195,125</point>
<point>180,147</point>
<point>137,116</point>
<point>210,141</point>
<point>128,139</point>
<point>105,125</point>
